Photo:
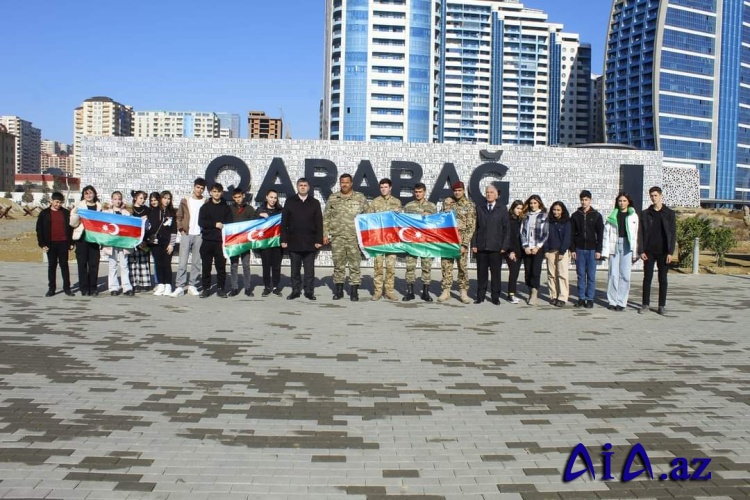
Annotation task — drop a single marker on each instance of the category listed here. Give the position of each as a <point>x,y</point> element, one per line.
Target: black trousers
<point>514,268</point>
<point>211,252</point>
<point>300,259</point>
<point>162,264</point>
<point>660,260</point>
<point>532,267</point>
<point>87,255</point>
<point>271,260</point>
<point>57,254</point>
<point>492,261</point>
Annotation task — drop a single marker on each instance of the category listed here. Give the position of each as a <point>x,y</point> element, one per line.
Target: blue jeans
<point>618,284</point>
<point>586,272</point>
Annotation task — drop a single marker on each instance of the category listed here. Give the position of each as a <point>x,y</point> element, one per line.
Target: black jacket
<point>263,209</point>
<point>248,212</point>
<point>669,224</point>
<point>211,213</point>
<point>163,224</point>
<point>44,227</point>
<point>301,224</point>
<point>492,231</point>
<point>514,235</point>
<point>587,230</point>
<point>559,236</point>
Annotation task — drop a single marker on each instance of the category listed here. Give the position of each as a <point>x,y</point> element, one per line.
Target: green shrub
<point>687,230</point>
<point>721,241</point>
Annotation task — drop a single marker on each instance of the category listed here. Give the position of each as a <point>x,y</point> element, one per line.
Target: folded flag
<point>112,230</point>
<point>418,235</point>
<point>256,234</point>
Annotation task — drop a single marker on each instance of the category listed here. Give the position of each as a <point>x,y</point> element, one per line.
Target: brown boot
<point>444,296</point>
<point>465,297</point>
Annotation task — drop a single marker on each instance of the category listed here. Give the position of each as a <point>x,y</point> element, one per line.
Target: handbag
<point>153,238</point>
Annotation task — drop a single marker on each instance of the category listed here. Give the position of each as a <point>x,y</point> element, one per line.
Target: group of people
<point>525,234</point>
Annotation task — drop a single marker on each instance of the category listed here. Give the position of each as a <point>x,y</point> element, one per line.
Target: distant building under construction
<point>262,126</point>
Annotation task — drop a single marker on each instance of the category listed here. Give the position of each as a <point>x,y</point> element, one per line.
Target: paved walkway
<point>151,397</point>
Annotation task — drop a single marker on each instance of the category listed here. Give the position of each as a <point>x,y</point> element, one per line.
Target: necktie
<point>489,207</point>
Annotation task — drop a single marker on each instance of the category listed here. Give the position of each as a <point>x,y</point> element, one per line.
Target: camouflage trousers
<point>390,272</point>
<point>411,268</point>
<point>463,272</point>
<point>345,253</point>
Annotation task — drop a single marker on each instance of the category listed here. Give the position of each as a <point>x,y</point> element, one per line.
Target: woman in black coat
<point>270,257</point>
<point>161,238</point>
<point>515,220</point>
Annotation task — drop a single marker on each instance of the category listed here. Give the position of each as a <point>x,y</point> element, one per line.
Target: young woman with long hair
<point>619,246</point>
<point>140,259</point>
<point>515,216</point>
<point>161,237</point>
<point>556,251</point>
<point>270,257</point>
<point>87,254</point>
<point>534,233</point>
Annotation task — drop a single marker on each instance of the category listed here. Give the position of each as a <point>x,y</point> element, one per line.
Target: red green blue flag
<point>418,235</point>
<point>256,234</point>
<point>112,230</point>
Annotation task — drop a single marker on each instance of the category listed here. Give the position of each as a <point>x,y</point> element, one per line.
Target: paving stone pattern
<point>149,397</point>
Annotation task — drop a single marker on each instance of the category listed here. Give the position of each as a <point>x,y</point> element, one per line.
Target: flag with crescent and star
<point>112,230</point>
<point>256,234</point>
<point>418,235</point>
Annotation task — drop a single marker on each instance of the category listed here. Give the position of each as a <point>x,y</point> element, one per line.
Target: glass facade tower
<point>677,79</point>
<point>464,71</point>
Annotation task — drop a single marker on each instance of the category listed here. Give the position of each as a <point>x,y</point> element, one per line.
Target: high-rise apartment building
<point>53,147</point>
<point>229,125</point>
<point>7,159</point>
<point>175,124</point>
<point>677,79</point>
<point>597,109</point>
<point>261,126</point>
<point>99,116</point>
<point>28,144</point>
<point>470,71</point>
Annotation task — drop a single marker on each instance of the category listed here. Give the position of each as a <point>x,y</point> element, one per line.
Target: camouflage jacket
<point>338,219</point>
<point>384,204</point>
<point>415,207</point>
<point>466,216</point>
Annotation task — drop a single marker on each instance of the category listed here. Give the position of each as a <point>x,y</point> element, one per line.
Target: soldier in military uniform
<point>339,230</point>
<point>385,203</point>
<point>466,217</point>
<point>421,206</point>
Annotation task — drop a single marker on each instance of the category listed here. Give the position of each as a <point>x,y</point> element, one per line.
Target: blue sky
<point>225,55</point>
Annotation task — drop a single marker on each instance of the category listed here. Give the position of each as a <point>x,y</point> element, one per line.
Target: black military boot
<point>426,293</point>
<point>409,293</point>
<point>339,293</point>
<point>354,293</point>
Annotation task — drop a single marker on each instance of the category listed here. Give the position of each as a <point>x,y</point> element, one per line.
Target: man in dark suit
<point>490,241</point>
<point>302,236</point>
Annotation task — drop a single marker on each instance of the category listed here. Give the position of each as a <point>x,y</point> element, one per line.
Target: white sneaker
<point>513,300</point>
<point>159,290</point>
<point>178,292</point>
<point>167,290</point>
<point>193,291</point>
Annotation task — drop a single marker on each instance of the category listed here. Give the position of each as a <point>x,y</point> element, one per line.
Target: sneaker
<point>178,292</point>
<point>204,294</point>
<point>277,291</point>
<point>589,304</point>
<point>266,292</point>
<point>249,293</point>
<point>167,290</point>
<point>513,300</point>
<point>159,290</point>
<point>644,309</point>
<point>223,294</point>
<point>193,291</point>
<point>580,303</point>
<point>234,292</point>
<point>662,311</point>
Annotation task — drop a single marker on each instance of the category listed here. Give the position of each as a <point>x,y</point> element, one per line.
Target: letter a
<point>636,451</point>
<point>578,451</point>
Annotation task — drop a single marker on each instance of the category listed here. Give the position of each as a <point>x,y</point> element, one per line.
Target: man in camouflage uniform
<point>385,203</point>
<point>419,206</point>
<point>466,216</point>
<point>339,230</point>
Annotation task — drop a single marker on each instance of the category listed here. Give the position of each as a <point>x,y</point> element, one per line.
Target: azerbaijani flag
<point>112,230</point>
<point>256,234</point>
<point>418,235</point>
